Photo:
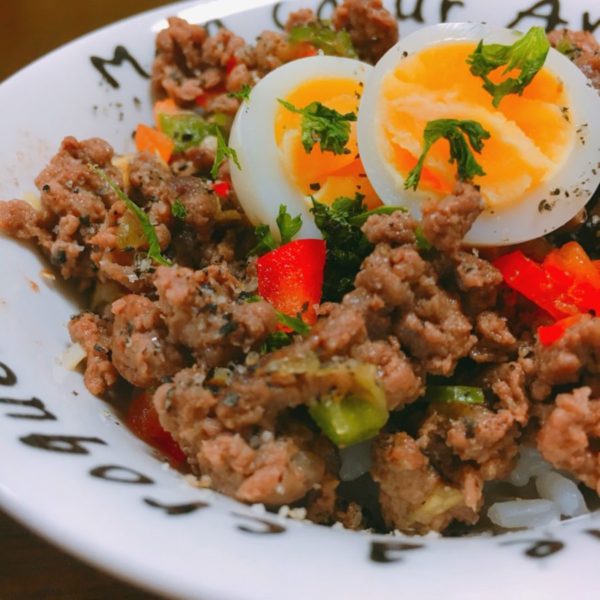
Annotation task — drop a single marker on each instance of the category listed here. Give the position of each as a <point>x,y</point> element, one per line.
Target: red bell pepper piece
<point>532,281</point>
<point>291,277</point>
<point>142,419</point>
<point>573,264</point>
<point>548,334</point>
<point>222,188</point>
<point>231,64</point>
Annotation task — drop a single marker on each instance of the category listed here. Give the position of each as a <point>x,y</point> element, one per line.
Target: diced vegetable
<point>548,334</point>
<point>187,130</point>
<point>150,140</point>
<point>529,279</point>
<point>291,278</point>
<point>222,188</point>
<point>130,233</point>
<point>355,417</point>
<point>566,285</point>
<point>455,393</point>
<point>165,107</point>
<point>142,419</point>
<point>322,36</point>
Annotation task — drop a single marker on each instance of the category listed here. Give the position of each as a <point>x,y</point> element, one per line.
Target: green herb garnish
<point>242,95</point>
<point>153,245</point>
<point>178,210</point>
<point>324,125</point>
<point>223,153</point>
<point>275,341</point>
<point>527,54</point>
<point>296,324</point>
<point>322,36</point>
<point>456,132</point>
<point>347,246</point>
<point>288,227</point>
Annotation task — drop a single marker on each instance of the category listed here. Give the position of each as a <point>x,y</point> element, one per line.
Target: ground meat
<point>495,342</point>
<point>447,221</point>
<point>569,435</point>
<point>508,383</point>
<point>298,18</point>
<point>140,350</point>
<point>566,360</point>
<point>372,28</point>
<point>398,376</point>
<point>427,320</point>
<point>204,312</point>
<point>478,281</point>
<point>434,329</point>
<point>342,328</point>
<point>189,63</point>
<point>74,204</point>
<point>397,229</point>
<point>20,220</point>
<point>413,497</point>
<point>227,423</point>
<point>201,205</point>
<point>271,50</point>
<point>94,335</point>
<point>454,434</point>
<point>582,48</point>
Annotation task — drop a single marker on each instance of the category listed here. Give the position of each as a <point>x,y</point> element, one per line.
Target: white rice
<point>530,464</point>
<point>559,495</point>
<point>563,492</point>
<point>516,514</point>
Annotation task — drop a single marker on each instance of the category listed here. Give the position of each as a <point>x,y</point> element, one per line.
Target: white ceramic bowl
<point>73,473</point>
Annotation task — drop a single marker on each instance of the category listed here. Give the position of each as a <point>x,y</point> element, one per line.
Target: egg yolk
<point>323,175</point>
<point>531,134</point>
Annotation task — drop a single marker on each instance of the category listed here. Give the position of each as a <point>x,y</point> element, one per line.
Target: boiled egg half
<point>267,137</point>
<point>540,162</point>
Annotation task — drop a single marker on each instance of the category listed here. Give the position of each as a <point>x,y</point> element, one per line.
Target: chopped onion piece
<point>72,356</point>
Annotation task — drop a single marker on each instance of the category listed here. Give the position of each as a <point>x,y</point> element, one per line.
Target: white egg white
<point>577,178</point>
<point>262,184</point>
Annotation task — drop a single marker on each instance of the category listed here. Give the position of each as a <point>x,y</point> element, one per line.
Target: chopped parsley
<point>324,125</point>
<point>324,37</point>
<point>296,324</point>
<point>178,210</point>
<point>242,95</point>
<point>527,54</point>
<point>149,232</point>
<point>288,227</point>
<point>456,132</point>
<point>223,153</point>
<point>347,245</point>
<point>275,341</point>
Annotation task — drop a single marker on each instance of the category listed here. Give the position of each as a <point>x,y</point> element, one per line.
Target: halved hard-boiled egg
<point>541,158</point>
<point>276,167</point>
